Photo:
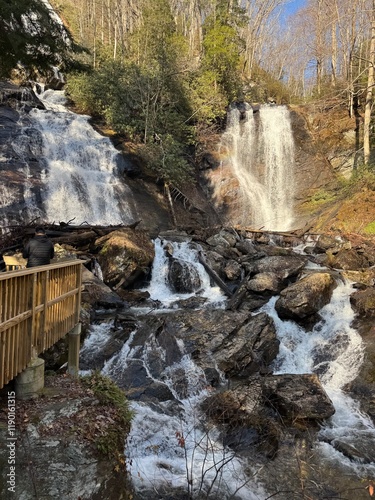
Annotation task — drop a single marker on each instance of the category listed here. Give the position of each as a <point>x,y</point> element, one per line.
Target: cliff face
<point>23,170</point>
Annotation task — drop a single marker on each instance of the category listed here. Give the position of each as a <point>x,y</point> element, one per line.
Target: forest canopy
<point>162,72</point>
<point>33,37</point>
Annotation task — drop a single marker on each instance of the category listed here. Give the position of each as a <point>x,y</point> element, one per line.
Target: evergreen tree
<point>32,36</point>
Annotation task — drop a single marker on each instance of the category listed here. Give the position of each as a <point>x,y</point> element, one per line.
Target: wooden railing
<point>38,306</point>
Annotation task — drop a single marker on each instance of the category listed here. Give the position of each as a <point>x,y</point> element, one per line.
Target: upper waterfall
<point>260,153</point>
<point>81,180</point>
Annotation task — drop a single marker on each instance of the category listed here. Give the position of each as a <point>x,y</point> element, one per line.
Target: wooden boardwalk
<point>38,306</point>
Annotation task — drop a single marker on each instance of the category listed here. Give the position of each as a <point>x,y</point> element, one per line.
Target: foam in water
<point>159,288</point>
<point>81,169</point>
<point>179,450</point>
<point>335,351</point>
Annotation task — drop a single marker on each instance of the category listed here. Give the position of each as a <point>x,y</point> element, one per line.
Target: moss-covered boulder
<point>124,255</point>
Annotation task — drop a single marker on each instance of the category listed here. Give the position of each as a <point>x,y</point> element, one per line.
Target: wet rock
<point>326,242</point>
<point>223,238</point>
<point>285,267</point>
<point>363,302</point>
<point>232,270</point>
<point>297,396</point>
<point>134,379</point>
<point>183,277</point>
<point>363,452</point>
<point>247,247</point>
<point>215,261</point>
<point>251,349</point>
<point>237,407</point>
<point>348,259</point>
<point>98,294</point>
<point>191,302</point>
<point>306,297</point>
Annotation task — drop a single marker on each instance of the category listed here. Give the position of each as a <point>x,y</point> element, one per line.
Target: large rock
<point>363,302</point>
<point>294,397</point>
<point>182,276</point>
<point>298,396</point>
<point>124,255</point>
<point>98,294</point>
<point>252,349</point>
<point>265,283</point>
<point>348,259</point>
<point>285,267</point>
<point>306,297</point>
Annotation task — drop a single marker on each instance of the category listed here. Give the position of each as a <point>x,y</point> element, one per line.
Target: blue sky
<point>293,5</point>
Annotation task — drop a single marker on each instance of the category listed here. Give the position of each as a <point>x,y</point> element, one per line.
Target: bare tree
<point>369,93</point>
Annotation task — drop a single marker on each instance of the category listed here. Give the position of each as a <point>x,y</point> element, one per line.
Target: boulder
<point>306,297</point>
<point>265,284</point>
<point>251,349</point>
<point>182,276</point>
<point>348,259</point>
<point>297,397</point>
<point>124,255</point>
<point>232,270</point>
<point>363,302</point>
<point>284,266</point>
<point>240,406</point>
<point>98,294</point>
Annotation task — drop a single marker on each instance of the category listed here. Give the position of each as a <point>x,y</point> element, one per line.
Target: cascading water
<point>171,447</point>
<point>80,176</point>
<point>159,287</point>
<point>334,351</point>
<point>261,155</point>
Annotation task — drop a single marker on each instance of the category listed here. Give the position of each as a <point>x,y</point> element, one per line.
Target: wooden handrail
<point>38,306</point>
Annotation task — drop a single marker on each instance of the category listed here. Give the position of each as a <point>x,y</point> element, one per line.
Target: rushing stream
<point>171,446</point>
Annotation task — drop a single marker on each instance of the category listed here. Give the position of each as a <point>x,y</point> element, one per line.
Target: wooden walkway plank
<point>38,306</point>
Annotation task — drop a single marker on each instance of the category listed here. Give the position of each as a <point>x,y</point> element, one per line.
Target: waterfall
<point>260,153</point>
<point>159,287</point>
<point>81,175</point>
<point>335,352</point>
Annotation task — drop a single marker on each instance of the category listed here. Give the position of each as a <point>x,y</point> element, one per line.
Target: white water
<point>160,290</point>
<point>335,351</point>
<point>80,177</point>
<point>262,159</point>
<point>179,450</point>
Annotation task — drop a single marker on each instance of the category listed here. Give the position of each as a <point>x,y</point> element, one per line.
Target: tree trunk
<point>369,93</point>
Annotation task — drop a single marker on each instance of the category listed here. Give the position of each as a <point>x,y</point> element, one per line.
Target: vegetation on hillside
<point>162,72</point>
<point>33,39</point>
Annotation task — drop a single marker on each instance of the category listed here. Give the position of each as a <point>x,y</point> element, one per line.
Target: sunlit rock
<point>306,297</point>
<point>124,256</point>
<point>183,277</point>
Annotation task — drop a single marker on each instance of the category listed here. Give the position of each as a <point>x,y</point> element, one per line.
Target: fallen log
<point>214,276</point>
<point>76,239</point>
<point>236,299</point>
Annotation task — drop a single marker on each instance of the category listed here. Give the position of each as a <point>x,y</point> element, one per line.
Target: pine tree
<point>32,36</point>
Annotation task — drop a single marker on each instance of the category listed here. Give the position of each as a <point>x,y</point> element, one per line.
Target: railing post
<point>44,313</point>
<point>73,350</point>
<point>31,329</point>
